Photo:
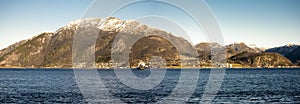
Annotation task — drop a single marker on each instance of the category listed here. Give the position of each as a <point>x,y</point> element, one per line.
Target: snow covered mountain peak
<point>82,22</point>
<point>106,24</point>
<point>113,24</point>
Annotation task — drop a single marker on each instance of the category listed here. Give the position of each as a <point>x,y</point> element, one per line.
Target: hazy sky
<point>266,23</point>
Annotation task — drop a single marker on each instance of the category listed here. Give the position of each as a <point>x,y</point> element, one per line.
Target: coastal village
<point>188,64</point>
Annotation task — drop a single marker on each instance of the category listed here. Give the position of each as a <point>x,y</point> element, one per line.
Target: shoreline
<point>156,68</point>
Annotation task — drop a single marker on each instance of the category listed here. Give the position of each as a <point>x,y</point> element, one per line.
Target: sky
<point>265,23</point>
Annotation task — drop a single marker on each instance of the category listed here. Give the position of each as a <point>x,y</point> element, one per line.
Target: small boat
<point>141,65</point>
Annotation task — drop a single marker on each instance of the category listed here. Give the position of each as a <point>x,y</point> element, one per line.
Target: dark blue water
<point>238,86</point>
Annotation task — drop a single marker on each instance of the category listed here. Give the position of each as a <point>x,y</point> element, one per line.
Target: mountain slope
<point>231,49</point>
<point>237,48</point>
<point>267,59</point>
<point>244,56</point>
<point>55,49</point>
<point>204,51</point>
<point>291,52</point>
<point>11,48</point>
<point>29,53</point>
<point>117,37</point>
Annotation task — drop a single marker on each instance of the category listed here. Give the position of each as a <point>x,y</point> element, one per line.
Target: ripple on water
<point>239,86</point>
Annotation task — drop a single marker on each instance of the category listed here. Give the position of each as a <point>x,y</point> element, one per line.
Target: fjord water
<point>238,86</point>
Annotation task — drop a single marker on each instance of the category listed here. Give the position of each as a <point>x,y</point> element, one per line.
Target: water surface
<point>238,86</point>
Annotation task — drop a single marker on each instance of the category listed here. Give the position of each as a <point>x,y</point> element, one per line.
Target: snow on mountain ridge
<point>113,24</point>
<point>106,24</point>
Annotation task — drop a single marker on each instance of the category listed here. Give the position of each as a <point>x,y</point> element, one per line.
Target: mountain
<point>204,50</point>
<point>115,37</point>
<point>11,47</point>
<point>265,59</point>
<point>54,49</point>
<point>237,48</point>
<point>242,56</point>
<point>291,52</point>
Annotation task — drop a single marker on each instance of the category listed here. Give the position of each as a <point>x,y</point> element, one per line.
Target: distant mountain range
<point>291,52</point>
<point>54,49</point>
<point>240,55</point>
